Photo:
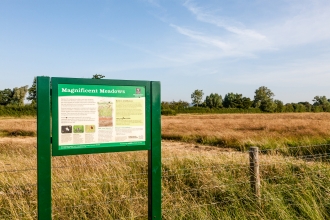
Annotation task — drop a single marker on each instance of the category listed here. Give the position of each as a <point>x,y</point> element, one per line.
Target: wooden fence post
<point>254,172</point>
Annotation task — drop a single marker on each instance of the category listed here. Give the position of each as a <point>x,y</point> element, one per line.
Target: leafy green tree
<point>32,91</point>
<point>6,96</point>
<point>317,108</point>
<point>247,102</point>
<point>13,97</point>
<point>164,105</point>
<point>19,95</point>
<point>213,101</point>
<point>322,102</point>
<point>289,108</point>
<point>279,106</point>
<point>178,105</point>
<point>235,100</point>
<point>307,105</point>
<point>267,106</point>
<point>298,107</point>
<point>263,99</point>
<point>175,105</point>
<point>232,100</point>
<point>98,76</point>
<point>197,97</point>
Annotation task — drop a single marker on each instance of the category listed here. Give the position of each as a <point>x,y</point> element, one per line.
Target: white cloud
<point>293,73</point>
<point>308,22</point>
<point>221,22</point>
<point>305,21</point>
<point>153,2</point>
<point>202,38</point>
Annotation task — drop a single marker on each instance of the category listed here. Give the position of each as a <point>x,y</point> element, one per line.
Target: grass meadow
<point>240,131</point>
<point>198,181</point>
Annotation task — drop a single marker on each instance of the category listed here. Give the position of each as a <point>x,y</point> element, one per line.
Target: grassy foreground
<point>199,182</point>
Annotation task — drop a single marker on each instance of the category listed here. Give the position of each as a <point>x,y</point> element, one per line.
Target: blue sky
<point>215,45</point>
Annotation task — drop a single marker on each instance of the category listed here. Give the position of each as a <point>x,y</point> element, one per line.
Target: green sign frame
<point>92,88</point>
<point>47,123</point>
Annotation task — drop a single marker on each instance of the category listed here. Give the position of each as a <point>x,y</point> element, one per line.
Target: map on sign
<point>92,116</point>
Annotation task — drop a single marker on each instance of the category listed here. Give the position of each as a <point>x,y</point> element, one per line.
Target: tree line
<point>234,103</point>
<point>213,103</point>
<point>12,100</point>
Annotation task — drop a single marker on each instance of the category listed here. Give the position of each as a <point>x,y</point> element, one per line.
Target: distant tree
<point>298,107</point>
<point>178,105</point>
<point>307,105</point>
<point>263,99</point>
<point>197,97</point>
<point>182,104</point>
<point>317,108</point>
<point>289,108</point>
<point>267,106</point>
<point>279,106</point>
<point>235,100</point>
<point>232,100</point>
<point>13,97</point>
<point>98,76</point>
<point>6,96</point>
<point>322,102</point>
<point>213,101</point>
<point>19,95</point>
<point>165,105</point>
<point>175,105</point>
<point>247,102</point>
<point>32,91</point>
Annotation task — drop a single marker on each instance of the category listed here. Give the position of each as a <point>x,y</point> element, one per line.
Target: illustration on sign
<point>93,116</point>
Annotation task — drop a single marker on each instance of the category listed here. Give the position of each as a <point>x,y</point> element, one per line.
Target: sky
<point>218,46</point>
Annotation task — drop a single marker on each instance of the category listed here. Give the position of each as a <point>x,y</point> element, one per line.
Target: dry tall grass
<point>199,182</point>
<point>226,130</point>
<point>243,130</point>
<point>18,126</point>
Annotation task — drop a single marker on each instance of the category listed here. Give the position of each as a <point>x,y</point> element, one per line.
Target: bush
<point>168,112</point>
<point>218,110</point>
<point>18,111</point>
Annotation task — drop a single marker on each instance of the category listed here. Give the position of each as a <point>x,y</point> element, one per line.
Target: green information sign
<point>97,116</point>
<point>92,117</point>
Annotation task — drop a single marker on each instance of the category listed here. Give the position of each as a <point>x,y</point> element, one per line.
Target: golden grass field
<point>244,130</point>
<point>199,182</point>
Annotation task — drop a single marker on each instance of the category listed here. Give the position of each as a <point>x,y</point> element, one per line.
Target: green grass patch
<point>18,111</point>
<point>17,133</point>
<point>313,145</point>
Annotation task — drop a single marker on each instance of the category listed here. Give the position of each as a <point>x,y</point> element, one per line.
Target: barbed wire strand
<point>288,148</point>
<point>101,203</point>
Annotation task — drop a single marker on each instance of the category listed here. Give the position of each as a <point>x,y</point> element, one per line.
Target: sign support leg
<point>43,149</point>
<point>154,157</point>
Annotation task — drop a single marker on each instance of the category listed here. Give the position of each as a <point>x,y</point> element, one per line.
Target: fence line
<point>239,167</point>
<point>310,156</point>
<point>102,203</point>
<point>287,148</point>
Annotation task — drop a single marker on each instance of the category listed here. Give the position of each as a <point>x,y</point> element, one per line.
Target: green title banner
<point>101,90</point>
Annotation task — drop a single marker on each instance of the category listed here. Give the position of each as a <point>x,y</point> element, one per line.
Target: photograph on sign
<point>93,116</point>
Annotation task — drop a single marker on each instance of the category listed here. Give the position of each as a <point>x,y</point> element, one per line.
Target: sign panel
<point>97,116</point>
<point>94,116</point>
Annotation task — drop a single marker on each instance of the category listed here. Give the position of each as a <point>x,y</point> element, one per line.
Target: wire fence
<point>195,184</point>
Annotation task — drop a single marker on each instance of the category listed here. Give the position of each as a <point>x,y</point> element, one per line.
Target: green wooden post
<point>154,157</point>
<point>43,149</point>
